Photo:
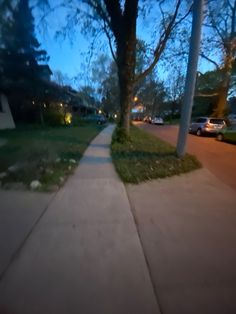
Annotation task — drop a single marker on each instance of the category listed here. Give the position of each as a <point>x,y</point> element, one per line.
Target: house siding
<point>6,119</point>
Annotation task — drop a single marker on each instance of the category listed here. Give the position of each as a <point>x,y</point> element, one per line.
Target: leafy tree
<point>19,48</point>
<point>175,87</point>
<point>152,95</point>
<point>61,79</point>
<point>21,75</point>
<point>221,37</point>
<point>109,90</point>
<point>104,75</point>
<point>87,94</point>
<point>118,20</point>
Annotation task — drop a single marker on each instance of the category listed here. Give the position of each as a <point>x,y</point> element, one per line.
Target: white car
<point>158,120</point>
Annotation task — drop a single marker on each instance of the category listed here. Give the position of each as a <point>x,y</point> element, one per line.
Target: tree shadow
<point>144,155</point>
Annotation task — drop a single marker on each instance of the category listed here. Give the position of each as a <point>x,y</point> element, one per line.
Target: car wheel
<point>220,137</point>
<point>199,132</point>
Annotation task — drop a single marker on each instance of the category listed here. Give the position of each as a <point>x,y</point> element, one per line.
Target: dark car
<point>227,134</point>
<point>98,118</point>
<point>206,125</point>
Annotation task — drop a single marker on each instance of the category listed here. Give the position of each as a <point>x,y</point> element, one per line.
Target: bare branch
<point>163,40</point>
<point>162,12</point>
<point>216,27</point>
<point>210,60</point>
<point>110,42</point>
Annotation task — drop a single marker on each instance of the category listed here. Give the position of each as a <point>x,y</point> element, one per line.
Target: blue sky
<point>69,55</point>
<point>66,54</point>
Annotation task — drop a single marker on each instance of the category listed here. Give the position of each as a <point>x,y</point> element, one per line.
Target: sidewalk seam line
<point>22,244</point>
<point>154,286</point>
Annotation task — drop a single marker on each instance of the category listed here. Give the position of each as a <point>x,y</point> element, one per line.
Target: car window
<point>201,120</point>
<point>217,121</point>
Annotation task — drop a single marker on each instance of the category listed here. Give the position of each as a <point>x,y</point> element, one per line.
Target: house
<point>6,119</point>
<point>45,72</point>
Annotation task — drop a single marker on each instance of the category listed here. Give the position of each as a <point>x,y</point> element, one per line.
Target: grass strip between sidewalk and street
<point>147,157</point>
<point>48,155</point>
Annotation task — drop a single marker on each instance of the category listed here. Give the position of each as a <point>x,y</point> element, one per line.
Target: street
<point>218,157</point>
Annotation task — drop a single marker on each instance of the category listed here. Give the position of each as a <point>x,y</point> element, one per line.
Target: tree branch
<point>210,60</point>
<point>215,27</point>
<point>115,13</point>
<point>110,43</point>
<point>163,40</point>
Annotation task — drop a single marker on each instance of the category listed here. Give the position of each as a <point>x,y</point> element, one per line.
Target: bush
<point>53,117</point>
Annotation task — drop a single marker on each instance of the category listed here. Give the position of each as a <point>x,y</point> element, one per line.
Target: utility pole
<point>190,80</point>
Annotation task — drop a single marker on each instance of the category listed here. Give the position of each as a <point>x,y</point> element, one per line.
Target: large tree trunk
<point>229,50</point>
<point>126,66</point>
<point>123,25</point>
<point>126,70</point>
<point>223,90</point>
<point>220,109</point>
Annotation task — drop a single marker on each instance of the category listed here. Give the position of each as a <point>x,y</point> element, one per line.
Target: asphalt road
<point>218,157</point>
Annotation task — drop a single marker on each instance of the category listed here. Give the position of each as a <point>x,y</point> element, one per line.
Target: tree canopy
<point>19,48</point>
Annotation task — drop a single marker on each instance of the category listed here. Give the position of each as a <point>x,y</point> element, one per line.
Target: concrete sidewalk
<point>83,252</point>
<point>19,212</point>
<point>187,226</point>
<point>84,255</point>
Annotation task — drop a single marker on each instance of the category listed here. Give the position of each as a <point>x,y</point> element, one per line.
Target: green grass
<point>146,157</point>
<point>44,153</point>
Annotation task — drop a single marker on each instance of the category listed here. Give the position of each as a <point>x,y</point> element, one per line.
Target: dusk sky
<point>66,54</point>
<point>69,54</point>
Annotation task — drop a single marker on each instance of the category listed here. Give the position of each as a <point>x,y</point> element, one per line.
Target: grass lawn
<point>45,154</point>
<point>146,157</point>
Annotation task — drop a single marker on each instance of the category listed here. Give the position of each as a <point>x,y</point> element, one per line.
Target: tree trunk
<point>229,59</point>
<point>126,92</point>
<point>221,105</point>
<point>126,70</point>
<point>220,109</point>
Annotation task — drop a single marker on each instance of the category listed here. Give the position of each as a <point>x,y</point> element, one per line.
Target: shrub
<point>53,117</point>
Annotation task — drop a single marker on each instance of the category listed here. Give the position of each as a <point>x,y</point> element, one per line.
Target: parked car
<point>206,125</point>
<point>232,118</point>
<point>98,118</point>
<point>227,134</point>
<point>157,120</point>
<point>147,119</point>
<point>137,118</point>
